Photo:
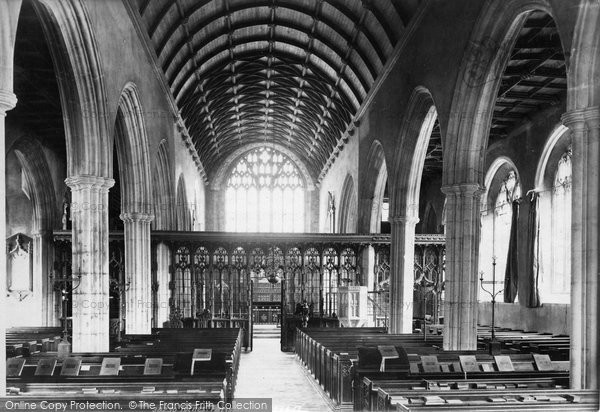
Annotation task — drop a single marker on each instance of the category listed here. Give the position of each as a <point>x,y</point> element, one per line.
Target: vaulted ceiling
<point>290,72</point>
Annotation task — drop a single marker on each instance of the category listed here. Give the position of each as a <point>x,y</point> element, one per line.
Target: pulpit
<point>352,306</point>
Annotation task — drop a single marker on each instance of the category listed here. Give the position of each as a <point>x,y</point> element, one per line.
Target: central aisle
<point>266,372</point>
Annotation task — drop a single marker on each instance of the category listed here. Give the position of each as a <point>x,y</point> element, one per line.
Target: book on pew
<point>543,362</point>
<point>454,401</point>
<point>200,355</point>
<point>496,399</point>
<point>153,366</point>
<point>486,367</point>
<point>468,363</point>
<point>430,363</point>
<point>434,400</point>
<point>14,366</point>
<point>504,363</point>
<point>387,352</point>
<point>110,367</point>
<point>45,367</point>
<point>70,367</point>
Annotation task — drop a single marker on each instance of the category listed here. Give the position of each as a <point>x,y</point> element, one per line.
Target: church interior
<point>320,204</point>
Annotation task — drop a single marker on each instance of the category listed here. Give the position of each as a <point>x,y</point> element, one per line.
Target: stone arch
<point>348,207</point>
<point>559,138</point>
<point>417,125</point>
<point>182,212</point>
<point>491,182</point>
<point>74,50</point>
<point>30,154</point>
<point>163,190</point>
<point>375,183</point>
<point>480,74</point>
<point>131,143</point>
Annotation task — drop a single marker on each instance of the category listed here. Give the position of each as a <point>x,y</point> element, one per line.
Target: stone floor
<point>266,372</point>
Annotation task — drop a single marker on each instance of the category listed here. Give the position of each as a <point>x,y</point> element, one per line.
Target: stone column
<point>138,276</point>
<point>402,272</point>
<point>585,133</point>
<point>7,101</point>
<point>89,215</point>
<point>163,277</point>
<point>42,266</point>
<point>462,253</point>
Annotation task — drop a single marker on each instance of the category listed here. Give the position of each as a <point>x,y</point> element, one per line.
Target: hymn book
<point>468,363</point>
<point>543,362</point>
<point>430,363</point>
<point>110,366</point>
<point>45,367</point>
<point>70,367</point>
<point>153,366</point>
<point>14,366</point>
<point>504,363</point>
<point>387,352</point>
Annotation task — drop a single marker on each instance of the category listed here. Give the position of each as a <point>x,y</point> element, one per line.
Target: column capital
<point>8,100</point>
<point>133,217</point>
<point>576,119</point>
<point>79,182</point>
<point>464,189</point>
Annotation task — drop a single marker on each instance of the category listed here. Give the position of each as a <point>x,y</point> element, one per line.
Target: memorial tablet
<point>45,367</point>
<point>430,363</point>
<point>468,363</point>
<point>504,363</point>
<point>14,366</point>
<point>543,362</point>
<point>110,366</point>
<point>70,367</point>
<point>153,366</point>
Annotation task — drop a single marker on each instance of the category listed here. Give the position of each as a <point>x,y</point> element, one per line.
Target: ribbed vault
<point>290,72</point>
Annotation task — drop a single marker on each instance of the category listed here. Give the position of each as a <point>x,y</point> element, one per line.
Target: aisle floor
<point>266,372</point>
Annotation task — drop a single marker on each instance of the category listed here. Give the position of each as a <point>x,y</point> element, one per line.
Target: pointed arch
<point>374,185</point>
<point>490,188</point>
<point>418,124</point>
<point>480,75</point>
<point>30,154</point>
<point>182,212</point>
<point>348,206</point>
<point>164,199</point>
<point>75,56</point>
<point>131,142</point>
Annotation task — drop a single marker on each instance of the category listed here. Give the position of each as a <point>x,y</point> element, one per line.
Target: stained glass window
<point>265,193</point>
<point>561,226</point>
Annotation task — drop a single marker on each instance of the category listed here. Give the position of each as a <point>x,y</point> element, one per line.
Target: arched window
<point>265,193</point>
<point>555,234</point>
<point>495,228</point>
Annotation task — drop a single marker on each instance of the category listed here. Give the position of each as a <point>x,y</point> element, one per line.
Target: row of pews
<point>518,341</point>
<point>368,369</point>
<point>179,365</point>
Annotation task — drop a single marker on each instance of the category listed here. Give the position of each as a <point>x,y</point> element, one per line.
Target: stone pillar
<point>89,215</point>
<point>7,101</point>
<point>402,272</point>
<point>163,277</point>
<point>584,126</point>
<point>462,253</point>
<point>138,275</point>
<point>42,266</point>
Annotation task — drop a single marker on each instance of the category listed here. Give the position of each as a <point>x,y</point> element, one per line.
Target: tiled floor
<point>266,372</point>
